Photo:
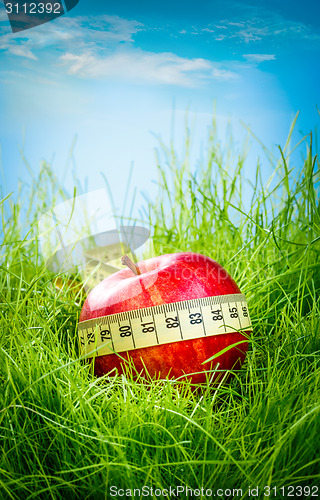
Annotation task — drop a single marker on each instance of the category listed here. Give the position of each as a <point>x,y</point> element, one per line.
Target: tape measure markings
<point>179,321</point>
<point>240,319</point>
<point>134,345</point>
<point>204,325</point>
<point>184,320</point>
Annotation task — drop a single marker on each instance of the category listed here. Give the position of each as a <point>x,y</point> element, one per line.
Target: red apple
<point>165,279</point>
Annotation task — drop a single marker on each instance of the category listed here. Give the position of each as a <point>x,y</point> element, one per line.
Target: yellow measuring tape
<point>163,324</point>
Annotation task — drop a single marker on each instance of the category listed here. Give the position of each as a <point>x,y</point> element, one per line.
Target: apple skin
<point>165,279</point>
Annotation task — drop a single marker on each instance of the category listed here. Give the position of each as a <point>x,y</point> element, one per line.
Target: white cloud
<point>220,38</point>
<point>22,51</point>
<point>105,49</point>
<point>256,24</point>
<point>258,58</point>
<point>13,47</point>
<point>140,66</point>
<point>224,74</point>
<point>238,25</point>
<point>67,33</point>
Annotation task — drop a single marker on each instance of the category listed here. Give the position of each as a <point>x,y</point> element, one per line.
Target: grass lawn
<point>68,435</point>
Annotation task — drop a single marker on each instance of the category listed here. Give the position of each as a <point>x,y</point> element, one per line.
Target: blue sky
<point>111,74</point>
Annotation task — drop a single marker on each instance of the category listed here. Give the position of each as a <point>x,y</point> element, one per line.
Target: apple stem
<point>125,261</point>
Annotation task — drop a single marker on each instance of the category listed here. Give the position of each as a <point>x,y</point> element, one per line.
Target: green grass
<point>65,434</point>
